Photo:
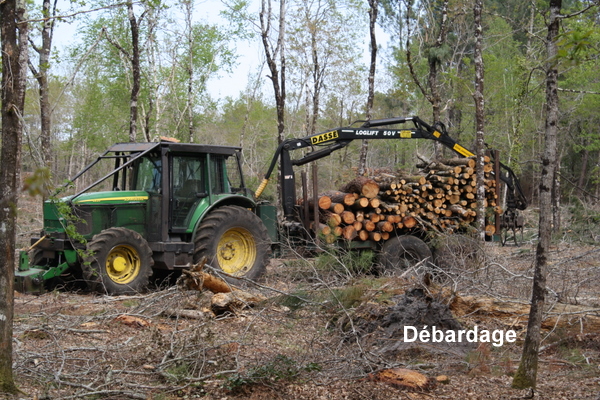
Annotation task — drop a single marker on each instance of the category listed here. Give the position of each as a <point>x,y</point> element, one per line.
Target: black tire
<point>399,253</point>
<point>117,261</point>
<point>235,240</point>
<point>458,252</point>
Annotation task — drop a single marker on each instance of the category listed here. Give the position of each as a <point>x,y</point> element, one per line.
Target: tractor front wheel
<point>117,261</point>
<point>235,240</point>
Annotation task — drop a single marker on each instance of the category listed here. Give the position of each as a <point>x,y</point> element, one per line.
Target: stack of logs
<point>442,198</point>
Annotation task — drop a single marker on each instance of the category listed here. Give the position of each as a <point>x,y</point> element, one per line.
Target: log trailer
<point>401,247</point>
<point>166,206</point>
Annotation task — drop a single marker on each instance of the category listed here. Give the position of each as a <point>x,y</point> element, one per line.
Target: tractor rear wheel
<point>117,261</point>
<point>235,240</point>
<point>400,253</point>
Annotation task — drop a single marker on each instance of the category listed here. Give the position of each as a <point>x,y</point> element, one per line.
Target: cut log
<point>361,202</point>
<point>348,217</point>
<point>348,232</point>
<point>340,197</point>
<point>401,378</point>
<point>234,301</point>
<point>363,235</point>
<point>385,226</point>
<point>362,186</point>
<point>196,279</point>
<point>470,162</point>
<point>409,222</point>
<point>336,208</point>
<point>375,236</point>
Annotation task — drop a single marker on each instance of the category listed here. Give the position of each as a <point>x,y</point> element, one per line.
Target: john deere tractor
<point>159,205</point>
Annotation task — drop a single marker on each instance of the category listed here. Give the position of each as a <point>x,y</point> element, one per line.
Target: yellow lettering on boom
<point>324,137</point>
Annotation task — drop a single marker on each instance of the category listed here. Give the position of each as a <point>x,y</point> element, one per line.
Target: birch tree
<point>479,116</point>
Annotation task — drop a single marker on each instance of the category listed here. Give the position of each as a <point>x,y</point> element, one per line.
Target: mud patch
<point>382,328</point>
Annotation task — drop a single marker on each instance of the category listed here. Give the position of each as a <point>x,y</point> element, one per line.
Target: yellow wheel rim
<point>236,251</point>
<point>123,264</point>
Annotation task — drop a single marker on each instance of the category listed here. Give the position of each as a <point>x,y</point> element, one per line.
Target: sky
<point>250,54</point>
<point>225,85</point>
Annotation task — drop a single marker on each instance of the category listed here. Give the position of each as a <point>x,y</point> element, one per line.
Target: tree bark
<point>277,77</point>
<point>526,375</point>
<point>364,147</point>
<point>135,68</point>
<point>433,95</point>
<point>479,118</point>
<point>272,53</point>
<point>14,35</point>
<point>41,75</point>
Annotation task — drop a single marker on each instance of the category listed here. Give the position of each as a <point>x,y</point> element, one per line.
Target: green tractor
<point>162,206</point>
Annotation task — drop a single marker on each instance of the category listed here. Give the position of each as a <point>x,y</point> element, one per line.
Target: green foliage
<point>574,45</point>
<point>38,183</point>
<point>280,368</point>
<point>348,297</point>
<point>178,372</point>
<point>69,223</point>
<point>295,300</point>
<point>346,262</point>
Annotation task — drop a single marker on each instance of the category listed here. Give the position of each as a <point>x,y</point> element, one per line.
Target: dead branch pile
<point>442,198</point>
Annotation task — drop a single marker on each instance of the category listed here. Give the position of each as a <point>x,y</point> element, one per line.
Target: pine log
<point>375,236</point>
<point>363,235</point>
<point>361,202</point>
<point>461,161</point>
<point>340,197</point>
<point>334,219</point>
<point>348,217</point>
<point>385,226</point>
<point>336,208</point>
<point>324,202</point>
<point>369,225</point>
<point>409,222</point>
<point>348,232</point>
<point>362,186</point>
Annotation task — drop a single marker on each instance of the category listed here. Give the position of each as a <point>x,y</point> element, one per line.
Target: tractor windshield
<point>148,177</point>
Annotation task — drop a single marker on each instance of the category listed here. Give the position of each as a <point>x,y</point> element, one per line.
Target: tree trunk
<point>135,68</point>
<point>527,373</point>
<point>433,95</point>
<point>190,68</point>
<point>479,118</point>
<point>364,147</point>
<point>272,53</point>
<point>277,71</point>
<point>14,59</point>
<point>41,75</point>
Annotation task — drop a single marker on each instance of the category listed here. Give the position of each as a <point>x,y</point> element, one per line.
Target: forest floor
<point>323,333</point>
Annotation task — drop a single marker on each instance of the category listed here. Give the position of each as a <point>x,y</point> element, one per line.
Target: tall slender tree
<point>364,148</point>
<point>133,56</point>
<point>274,47</point>
<point>41,75</point>
<point>526,375</point>
<point>14,36</point>
<point>479,115</point>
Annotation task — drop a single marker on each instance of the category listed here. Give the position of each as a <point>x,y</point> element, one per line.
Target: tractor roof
<point>174,147</point>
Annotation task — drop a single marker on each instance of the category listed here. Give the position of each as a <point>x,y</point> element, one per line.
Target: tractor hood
<point>105,198</point>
